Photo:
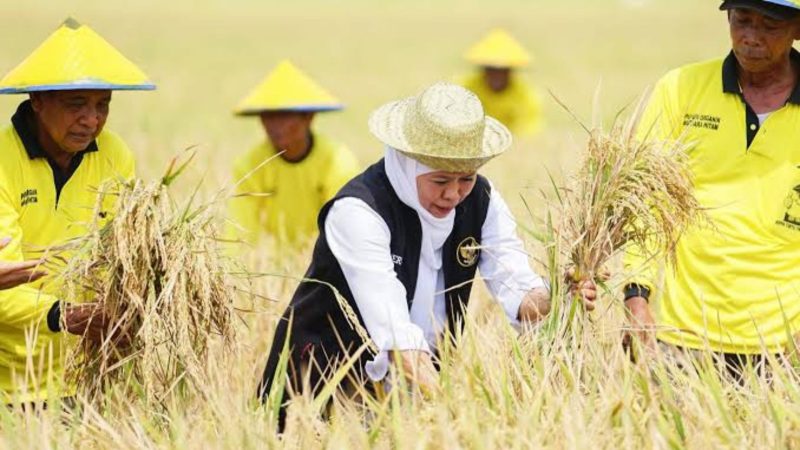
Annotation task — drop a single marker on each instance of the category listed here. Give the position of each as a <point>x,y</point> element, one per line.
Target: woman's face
<point>440,192</point>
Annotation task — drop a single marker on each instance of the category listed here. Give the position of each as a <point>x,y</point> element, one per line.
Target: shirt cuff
<point>411,338</point>
<point>378,367</point>
<point>54,317</point>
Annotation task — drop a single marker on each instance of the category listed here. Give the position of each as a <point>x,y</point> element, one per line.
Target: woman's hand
<point>537,302</point>
<point>584,288</point>
<point>13,274</point>
<point>586,291</point>
<point>418,368</point>
<point>535,306</point>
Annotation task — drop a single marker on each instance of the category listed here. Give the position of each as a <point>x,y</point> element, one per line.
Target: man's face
<point>761,43</point>
<point>286,129</point>
<point>440,192</point>
<point>497,78</point>
<point>72,119</point>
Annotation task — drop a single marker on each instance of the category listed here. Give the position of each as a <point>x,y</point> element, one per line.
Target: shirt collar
<point>26,129</point>
<point>730,76</point>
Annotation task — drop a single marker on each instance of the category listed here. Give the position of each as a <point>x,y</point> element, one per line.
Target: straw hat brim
<point>387,124</point>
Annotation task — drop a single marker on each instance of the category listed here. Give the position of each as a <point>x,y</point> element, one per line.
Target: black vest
<point>318,325</point>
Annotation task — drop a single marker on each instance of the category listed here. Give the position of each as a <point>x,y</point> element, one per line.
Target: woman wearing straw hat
<point>401,243</point>
<point>505,94</point>
<point>310,170</point>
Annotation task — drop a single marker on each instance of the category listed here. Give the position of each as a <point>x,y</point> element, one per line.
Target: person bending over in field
<point>401,243</point>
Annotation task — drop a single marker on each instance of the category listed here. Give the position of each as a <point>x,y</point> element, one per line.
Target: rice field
<point>558,387</point>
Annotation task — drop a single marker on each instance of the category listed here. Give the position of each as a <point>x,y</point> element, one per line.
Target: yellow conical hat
<point>287,88</point>
<point>74,57</point>
<point>498,49</point>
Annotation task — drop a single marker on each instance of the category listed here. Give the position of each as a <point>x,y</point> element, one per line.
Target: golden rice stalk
<point>626,192</point>
<point>155,270</point>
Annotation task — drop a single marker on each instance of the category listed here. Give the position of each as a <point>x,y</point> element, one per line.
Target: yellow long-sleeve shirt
<point>736,284</point>
<point>518,106</point>
<point>288,195</point>
<point>37,217</point>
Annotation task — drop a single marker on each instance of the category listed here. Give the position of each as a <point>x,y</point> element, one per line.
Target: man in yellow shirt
<point>282,197</point>
<point>505,94</point>
<point>735,289</point>
<point>54,154</point>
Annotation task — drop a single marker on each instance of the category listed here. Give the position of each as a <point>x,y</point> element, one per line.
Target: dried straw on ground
<point>156,273</point>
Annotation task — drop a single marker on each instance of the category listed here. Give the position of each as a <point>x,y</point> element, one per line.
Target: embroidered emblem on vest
<point>397,260</point>
<point>467,252</point>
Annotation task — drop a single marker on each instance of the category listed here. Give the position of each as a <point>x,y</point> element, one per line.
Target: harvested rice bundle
<point>627,192</point>
<point>155,271</point>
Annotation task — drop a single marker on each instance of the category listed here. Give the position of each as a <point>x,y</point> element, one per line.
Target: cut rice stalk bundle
<point>156,273</point>
<point>627,192</point>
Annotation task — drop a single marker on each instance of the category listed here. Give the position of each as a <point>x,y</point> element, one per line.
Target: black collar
<point>25,126</point>
<point>730,76</point>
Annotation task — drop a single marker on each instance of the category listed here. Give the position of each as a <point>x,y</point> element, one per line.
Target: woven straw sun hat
<point>444,127</point>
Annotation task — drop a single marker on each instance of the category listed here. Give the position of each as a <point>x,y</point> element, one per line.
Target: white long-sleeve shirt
<point>360,241</point>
